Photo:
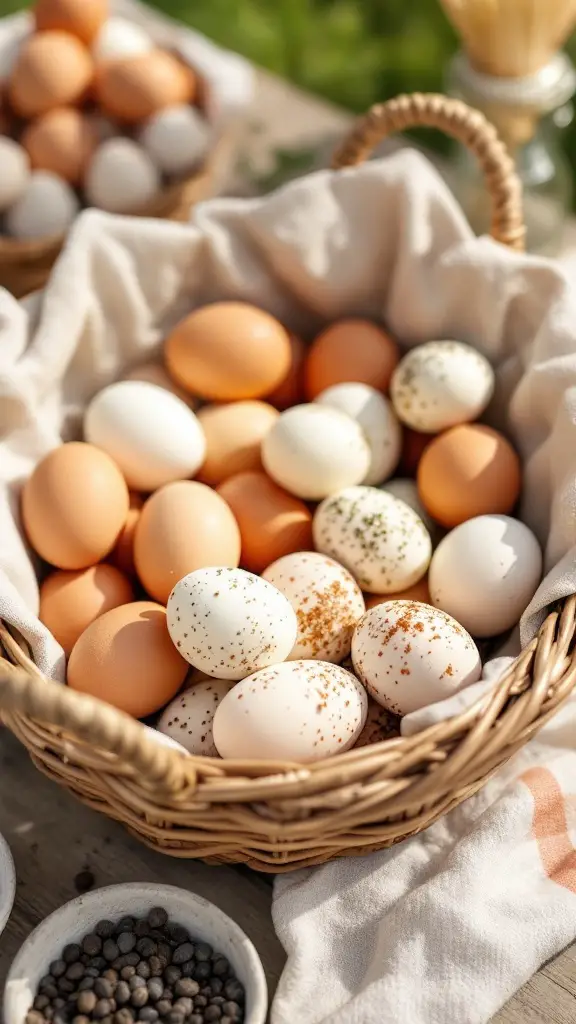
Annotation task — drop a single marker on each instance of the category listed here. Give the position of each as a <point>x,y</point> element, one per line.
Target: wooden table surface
<point>60,846</point>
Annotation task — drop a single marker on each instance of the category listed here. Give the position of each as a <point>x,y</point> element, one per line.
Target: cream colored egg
<point>230,623</point>
<point>121,177</point>
<point>409,655</point>
<point>188,719</point>
<point>327,600</point>
<point>46,208</point>
<point>15,174</point>
<point>441,384</point>
<point>153,437</point>
<point>300,711</point>
<point>119,38</point>
<point>375,416</point>
<point>378,538</point>
<point>176,139</point>
<point>313,451</point>
<point>485,573</point>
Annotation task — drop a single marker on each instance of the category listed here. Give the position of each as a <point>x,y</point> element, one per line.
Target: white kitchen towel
<point>230,78</point>
<point>445,927</point>
<point>386,241</point>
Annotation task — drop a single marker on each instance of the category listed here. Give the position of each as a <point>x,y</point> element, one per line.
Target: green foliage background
<point>353,52</point>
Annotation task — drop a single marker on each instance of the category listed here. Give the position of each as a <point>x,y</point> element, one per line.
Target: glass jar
<point>529,115</point>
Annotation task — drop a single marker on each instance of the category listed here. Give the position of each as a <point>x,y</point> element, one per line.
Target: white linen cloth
<point>444,927</point>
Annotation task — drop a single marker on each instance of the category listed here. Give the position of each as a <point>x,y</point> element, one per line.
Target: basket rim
<point>545,670</point>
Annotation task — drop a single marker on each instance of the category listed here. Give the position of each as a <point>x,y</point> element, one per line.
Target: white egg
<point>441,384</point>
<point>313,451</point>
<point>121,177</point>
<point>119,38</point>
<point>47,207</point>
<point>230,623</point>
<point>378,538</point>
<point>10,47</point>
<point>15,174</point>
<point>407,491</point>
<point>188,718</point>
<point>409,655</point>
<point>176,139</point>
<point>327,600</point>
<point>375,416</point>
<point>485,573</point>
<point>152,436</point>
<point>155,373</point>
<point>299,711</point>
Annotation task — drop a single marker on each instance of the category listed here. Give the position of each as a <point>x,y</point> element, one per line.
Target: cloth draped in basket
<point>387,241</point>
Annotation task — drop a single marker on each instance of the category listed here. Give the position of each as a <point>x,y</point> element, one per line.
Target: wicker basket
<point>275,817</point>
<point>25,266</point>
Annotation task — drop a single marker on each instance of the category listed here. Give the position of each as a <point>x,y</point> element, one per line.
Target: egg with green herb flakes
<point>327,600</point>
<point>441,384</point>
<point>409,655</point>
<point>300,711</point>
<point>230,623</point>
<point>377,537</point>
<point>188,718</point>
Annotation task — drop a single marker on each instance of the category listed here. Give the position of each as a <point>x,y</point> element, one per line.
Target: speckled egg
<point>441,384</point>
<point>230,623</point>
<point>375,416</point>
<point>409,655</point>
<point>378,538</point>
<point>300,711</point>
<point>188,719</point>
<point>327,600</point>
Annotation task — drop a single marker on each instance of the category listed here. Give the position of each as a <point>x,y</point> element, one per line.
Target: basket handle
<point>29,694</point>
<point>469,127</point>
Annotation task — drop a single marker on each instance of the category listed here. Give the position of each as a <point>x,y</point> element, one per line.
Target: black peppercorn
<point>65,987</point>
<point>221,967</point>
<point>75,971</point>
<point>126,942</point>
<point>234,991</point>
<point>99,963</point>
<point>212,1013</point>
<point>103,988</point>
<point>104,929</point>
<point>146,947</point>
<point>124,1016</point>
<point>136,982</point>
<point>126,924</point>
<point>183,953</point>
<point>201,972</point>
<point>155,989</point>
<point>71,953</point>
<point>164,1006</point>
<point>122,993</point>
<point>110,950</point>
<point>58,968</point>
<point>127,972</point>
<point>171,974</point>
<point>148,1013</point>
<point>139,997</point>
<point>92,944</point>
<point>203,951</point>
<point>157,918</point>
<point>178,934</point>
<point>143,969</point>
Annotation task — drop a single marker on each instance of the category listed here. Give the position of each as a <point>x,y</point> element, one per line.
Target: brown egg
<point>74,506</point>
<point>417,592</point>
<point>183,526</point>
<point>413,444</point>
<point>156,373</point>
<point>469,470</point>
<point>62,141</point>
<point>291,390</point>
<point>228,351</point>
<point>70,601</point>
<point>81,18</point>
<point>53,70</point>
<point>122,555</point>
<point>350,350</point>
<point>272,522</point>
<point>133,89</point>
<point>233,435</point>
<point>126,657</point>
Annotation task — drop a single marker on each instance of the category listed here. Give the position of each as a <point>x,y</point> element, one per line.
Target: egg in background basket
<point>350,350</point>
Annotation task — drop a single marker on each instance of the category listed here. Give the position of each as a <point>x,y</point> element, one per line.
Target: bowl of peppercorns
<point>137,953</point>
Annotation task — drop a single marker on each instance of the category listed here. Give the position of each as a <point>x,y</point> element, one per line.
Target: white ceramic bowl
<point>7,883</point>
<point>75,919</point>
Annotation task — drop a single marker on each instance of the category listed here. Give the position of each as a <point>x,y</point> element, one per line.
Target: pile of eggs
<point>92,113</point>
<point>267,549</point>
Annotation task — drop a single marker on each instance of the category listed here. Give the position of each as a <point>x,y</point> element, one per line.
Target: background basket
<point>275,817</point>
<point>25,266</point>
